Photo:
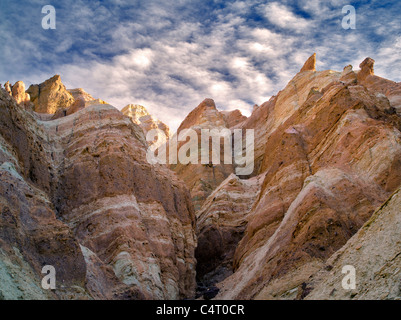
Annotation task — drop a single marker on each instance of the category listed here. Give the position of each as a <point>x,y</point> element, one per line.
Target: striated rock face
<point>50,96</point>
<point>202,179</point>
<point>233,118</point>
<point>221,223</point>
<point>374,252</point>
<point>78,194</point>
<point>366,69</point>
<point>266,118</point>
<point>380,86</point>
<point>140,116</point>
<point>30,234</point>
<point>330,150</point>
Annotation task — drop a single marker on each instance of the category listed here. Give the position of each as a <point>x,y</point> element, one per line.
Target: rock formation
<point>78,194</point>
<point>80,93</point>
<point>19,94</point>
<point>366,69</point>
<point>330,150</point>
<point>221,224</point>
<point>374,252</point>
<point>310,64</point>
<point>8,88</point>
<point>17,91</point>
<point>50,96</point>
<point>202,179</point>
<point>140,116</point>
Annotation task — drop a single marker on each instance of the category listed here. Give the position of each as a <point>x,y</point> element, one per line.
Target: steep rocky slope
<point>78,194</point>
<point>374,252</point>
<point>140,116</point>
<point>221,223</point>
<point>330,150</point>
<point>202,179</point>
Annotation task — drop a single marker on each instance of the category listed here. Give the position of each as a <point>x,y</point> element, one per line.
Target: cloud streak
<point>170,55</point>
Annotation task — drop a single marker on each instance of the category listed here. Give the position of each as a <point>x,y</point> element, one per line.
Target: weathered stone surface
<point>380,86</point>
<point>77,191</point>
<point>329,162</point>
<point>366,69</point>
<point>18,93</point>
<point>310,64</point>
<point>233,118</point>
<point>8,87</point>
<point>140,116</point>
<point>113,225</point>
<point>202,179</point>
<point>221,223</point>
<point>50,96</point>
<point>80,93</point>
<point>374,252</point>
<point>266,118</point>
<point>30,234</point>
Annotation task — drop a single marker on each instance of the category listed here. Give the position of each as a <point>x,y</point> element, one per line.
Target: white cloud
<point>283,17</point>
<point>170,55</point>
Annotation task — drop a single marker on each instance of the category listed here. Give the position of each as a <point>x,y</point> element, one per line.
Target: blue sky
<point>170,55</point>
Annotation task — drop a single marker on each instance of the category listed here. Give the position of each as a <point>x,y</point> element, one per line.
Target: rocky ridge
<point>202,179</point>
<point>140,116</point>
<point>78,193</point>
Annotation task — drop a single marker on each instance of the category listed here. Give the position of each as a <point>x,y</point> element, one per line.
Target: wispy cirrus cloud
<point>170,55</point>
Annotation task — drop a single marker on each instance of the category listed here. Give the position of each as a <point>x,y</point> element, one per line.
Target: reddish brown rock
<point>366,69</point>
<point>310,64</point>
<point>114,226</point>
<point>137,219</point>
<point>221,223</point>
<point>233,118</point>
<point>266,118</point>
<point>329,162</point>
<point>380,86</point>
<point>30,234</point>
<point>202,179</point>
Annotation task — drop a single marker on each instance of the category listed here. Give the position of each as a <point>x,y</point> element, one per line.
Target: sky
<point>169,55</point>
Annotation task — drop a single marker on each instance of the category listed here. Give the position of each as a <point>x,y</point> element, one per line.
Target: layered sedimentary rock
<point>380,86</point>
<point>202,179</point>
<point>140,116</point>
<point>374,253</point>
<point>330,150</point>
<point>221,223</point>
<point>50,96</point>
<point>31,236</point>
<point>267,117</point>
<point>79,194</point>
